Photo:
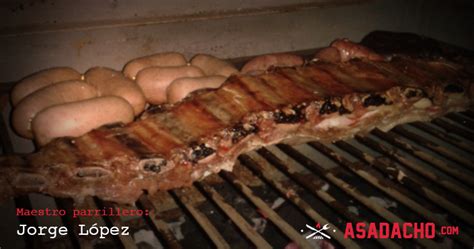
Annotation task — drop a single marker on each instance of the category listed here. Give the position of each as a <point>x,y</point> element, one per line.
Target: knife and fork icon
<point>320,231</point>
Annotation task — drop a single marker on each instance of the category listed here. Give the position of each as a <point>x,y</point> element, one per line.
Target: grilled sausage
<point>155,80</point>
<point>113,83</point>
<point>77,118</point>
<point>169,59</point>
<point>59,93</point>
<point>180,88</point>
<point>211,65</point>
<point>329,54</point>
<point>261,63</point>
<point>349,50</point>
<point>42,79</point>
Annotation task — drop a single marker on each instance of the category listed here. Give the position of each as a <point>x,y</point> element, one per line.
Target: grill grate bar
<point>67,204</point>
<point>310,183</point>
<point>238,220</point>
<point>286,228</point>
<point>31,241</point>
<point>348,189</point>
<point>88,241</point>
<point>444,136</point>
<point>394,191</point>
<point>377,181</point>
<point>433,176</point>
<point>146,202</point>
<point>260,166</point>
<point>468,113</point>
<point>467,123</point>
<point>412,150</point>
<point>313,183</point>
<point>201,219</point>
<point>405,179</point>
<point>22,201</point>
<point>454,129</point>
<point>434,147</point>
<point>125,240</point>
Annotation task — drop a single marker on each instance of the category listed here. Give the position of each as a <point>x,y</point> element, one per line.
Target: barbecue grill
<point>417,172</point>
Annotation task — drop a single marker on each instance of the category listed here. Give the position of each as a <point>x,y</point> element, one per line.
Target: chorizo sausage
<point>77,118</point>
<point>154,80</point>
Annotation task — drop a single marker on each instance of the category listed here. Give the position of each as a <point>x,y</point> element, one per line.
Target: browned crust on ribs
<point>207,131</point>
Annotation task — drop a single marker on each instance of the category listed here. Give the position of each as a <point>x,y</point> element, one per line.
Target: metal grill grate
<point>415,172</point>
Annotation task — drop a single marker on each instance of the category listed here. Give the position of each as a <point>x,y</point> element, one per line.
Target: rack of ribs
<point>325,100</point>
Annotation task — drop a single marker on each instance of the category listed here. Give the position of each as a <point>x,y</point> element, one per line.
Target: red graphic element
<point>116,212</point>
<point>384,230</point>
<point>449,230</point>
<point>318,226</point>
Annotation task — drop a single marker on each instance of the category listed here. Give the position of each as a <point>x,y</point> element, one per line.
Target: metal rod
<point>88,204</point>
<point>442,165</point>
<point>391,169</point>
<point>460,120</point>
<point>251,159</point>
<point>468,113</point>
<point>351,190</point>
<point>393,191</point>
<point>238,220</point>
<point>267,171</point>
<point>444,136</point>
<point>202,220</point>
<point>439,179</point>
<point>434,147</point>
<point>450,128</point>
<point>161,226</point>
<point>126,240</point>
<point>269,212</point>
<point>21,201</point>
<point>311,182</point>
<point>30,241</point>
<point>68,220</point>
